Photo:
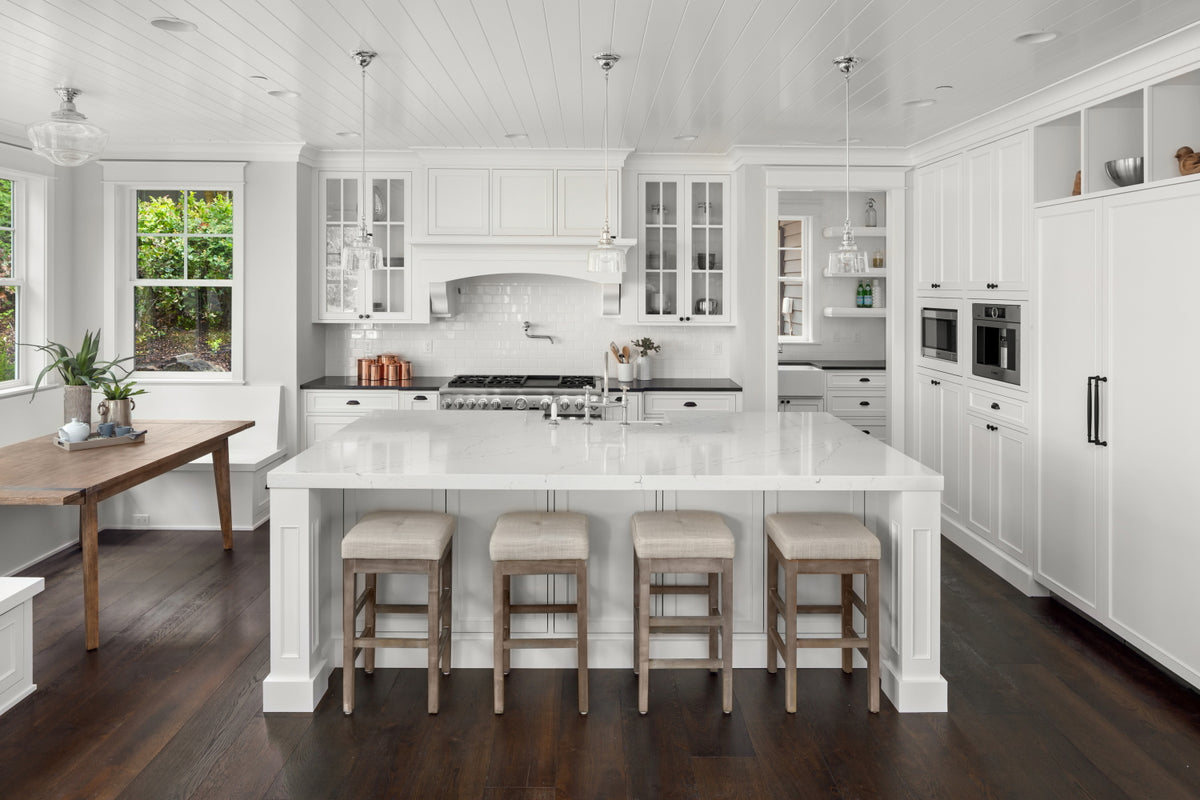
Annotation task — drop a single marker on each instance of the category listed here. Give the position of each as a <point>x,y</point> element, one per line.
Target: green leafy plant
<point>81,367</point>
<point>120,389</point>
<point>646,345</point>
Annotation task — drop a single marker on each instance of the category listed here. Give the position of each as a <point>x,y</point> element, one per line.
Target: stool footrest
<point>543,608</point>
<point>685,663</point>
<point>528,643</point>
<point>700,623</point>
<point>830,609</point>
<point>400,608</point>
<point>832,642</point>
<point>390,641</point>
<point>686,588</point>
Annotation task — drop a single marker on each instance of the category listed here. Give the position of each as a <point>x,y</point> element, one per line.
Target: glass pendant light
<point>847,257</point>
<point>67,138</point>
<point>604,257</point>
<point>361,254</point>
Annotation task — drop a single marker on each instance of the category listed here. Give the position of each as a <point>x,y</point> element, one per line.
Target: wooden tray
<point>137,437</point>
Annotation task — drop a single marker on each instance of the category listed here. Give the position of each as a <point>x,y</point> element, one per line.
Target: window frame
<point>122,182</point>
<point>31,246</point>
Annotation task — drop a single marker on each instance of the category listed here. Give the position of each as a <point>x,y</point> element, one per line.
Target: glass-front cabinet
<point>684,260</point>
<point>383,294</point>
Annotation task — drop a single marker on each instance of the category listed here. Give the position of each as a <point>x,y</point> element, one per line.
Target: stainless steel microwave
<point>939,333</point>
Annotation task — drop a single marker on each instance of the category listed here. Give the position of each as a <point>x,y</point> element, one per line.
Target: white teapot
<point>74,431</point>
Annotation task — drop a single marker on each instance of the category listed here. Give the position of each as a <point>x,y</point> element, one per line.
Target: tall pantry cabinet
<point>1118,536</point>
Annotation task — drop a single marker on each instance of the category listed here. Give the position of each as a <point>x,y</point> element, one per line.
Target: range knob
<point>580,403</point>
<point>545,403</point>
<point>445,402</point>
<point>470,402</point>
<point>495,404</point>
<point>458,402</point>
<point>521,404</point>
<point>564,404</point>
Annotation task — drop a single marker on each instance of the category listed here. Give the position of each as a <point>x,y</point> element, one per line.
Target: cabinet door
<point>708,262</point>
<point>458,201</point>
<point>661,297</point>
<point>1013,495</point>
<point>522,202</point>
<point>938,435</point>
<point>389,288</point>
<point>1150,399</point>
<point>980,464</point>
<point>1071,547</point>
<point>939,225</point>
<point>1012,202</point>
<point>339,291</point>
<point>981,222</point>
<point>581,202</point>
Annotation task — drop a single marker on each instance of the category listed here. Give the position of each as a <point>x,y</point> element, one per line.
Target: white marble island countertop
<point>502,450</point>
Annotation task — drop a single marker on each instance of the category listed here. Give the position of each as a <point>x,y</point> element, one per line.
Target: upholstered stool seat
<point>537,543</point>
<point>683,542</point>
<point>822,543</point>
<point>405,542</point>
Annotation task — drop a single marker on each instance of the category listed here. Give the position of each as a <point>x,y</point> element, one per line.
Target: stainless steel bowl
<point>1124,171</point>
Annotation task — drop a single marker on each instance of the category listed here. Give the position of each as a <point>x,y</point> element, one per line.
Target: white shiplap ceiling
<point>464,73</point>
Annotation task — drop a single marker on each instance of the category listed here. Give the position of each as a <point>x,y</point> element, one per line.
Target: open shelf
<point>862,276</point>
<point>835,311</point>
<point>835,232</point>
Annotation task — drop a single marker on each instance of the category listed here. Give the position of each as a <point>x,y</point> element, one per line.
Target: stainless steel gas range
<point>519,393</point>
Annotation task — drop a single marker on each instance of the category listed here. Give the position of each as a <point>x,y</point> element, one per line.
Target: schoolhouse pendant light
<point>360,253</point>
<point>604,257</point>
<point>847,257</point>
<point>67,138</point>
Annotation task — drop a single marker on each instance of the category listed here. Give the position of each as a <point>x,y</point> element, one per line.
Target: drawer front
<point>877,428</point>
<point>856,403</point>
<point>333,402</point>
<point>657,403</point>
<point>998,407</point>
<point>866,379</point>
<point>418,401</point>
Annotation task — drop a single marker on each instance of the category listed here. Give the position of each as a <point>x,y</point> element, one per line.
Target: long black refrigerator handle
<point>1090,412</point>
<point>1099,415</point>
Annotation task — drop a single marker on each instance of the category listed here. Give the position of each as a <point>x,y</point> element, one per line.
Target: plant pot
<point>77,404</point>
<point>643,368</point>
<point>118,412</point>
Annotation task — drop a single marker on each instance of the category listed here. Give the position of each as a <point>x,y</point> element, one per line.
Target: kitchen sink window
<point>178,283</point>
<point>794,320</point>
<point>10,287</point>
<point>22,274</point>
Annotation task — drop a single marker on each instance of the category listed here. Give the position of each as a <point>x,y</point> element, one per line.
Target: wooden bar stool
<point>683,542</point>
<point>407,542</point>
<point>822,544</point>
<point>537,543</point>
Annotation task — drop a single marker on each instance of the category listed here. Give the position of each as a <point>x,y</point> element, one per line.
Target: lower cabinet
<point>999,486</point>
<point>327,411</point>
<point>860,398</point>
<point>938,434</point>
<point>656,405</point>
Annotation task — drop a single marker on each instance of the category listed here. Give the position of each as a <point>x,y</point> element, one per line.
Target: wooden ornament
<point>1078,183</point>
<point>1189,161</point>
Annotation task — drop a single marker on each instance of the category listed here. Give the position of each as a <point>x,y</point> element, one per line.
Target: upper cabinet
<point>939,244</point>
<point>684,267</point>
<point>520,202</point>
<point>384,294</point>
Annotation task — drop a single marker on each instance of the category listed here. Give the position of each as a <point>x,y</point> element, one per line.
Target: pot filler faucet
<point>529,335</point>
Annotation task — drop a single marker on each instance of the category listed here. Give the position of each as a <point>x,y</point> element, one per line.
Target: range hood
<point>444,262</point>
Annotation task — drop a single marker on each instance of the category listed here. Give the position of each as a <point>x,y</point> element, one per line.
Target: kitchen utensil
<point>625,354</point>
<point>1124,171</point>
<point>616,353</point>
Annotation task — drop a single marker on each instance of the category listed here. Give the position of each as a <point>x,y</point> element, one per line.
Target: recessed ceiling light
<point>285,93</point>
<point>686,137</point>
<point>173,24</point>
<point>945,87</point>
<point>1036,37</point>
<point>516,136</point>
<point>347,134</point>
<point>923,102</point>
<point>258,77</point>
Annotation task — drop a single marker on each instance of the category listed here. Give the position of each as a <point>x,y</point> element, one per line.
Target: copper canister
<point>364,368</point>
<point>376,373</point>
<point>391,372</point>
<point>405,370</point>
<point>388,358</point>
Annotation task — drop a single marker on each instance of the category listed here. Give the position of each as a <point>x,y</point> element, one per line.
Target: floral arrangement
<point>646,346</point>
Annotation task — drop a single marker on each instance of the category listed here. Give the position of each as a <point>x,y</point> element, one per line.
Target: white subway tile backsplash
<point>486,335</point>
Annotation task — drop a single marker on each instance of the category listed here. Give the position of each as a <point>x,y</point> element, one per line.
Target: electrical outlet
<point>718,348</point>
<point>356,334</point>
<point>372,334</point>
<point>141,519</point>
<point>427,346</point>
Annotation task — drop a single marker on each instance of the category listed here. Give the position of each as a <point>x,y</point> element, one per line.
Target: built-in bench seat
<point>16,639</point>
<point>185,498</point>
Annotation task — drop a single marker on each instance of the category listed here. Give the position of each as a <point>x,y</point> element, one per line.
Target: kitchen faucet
<point>529,335</point>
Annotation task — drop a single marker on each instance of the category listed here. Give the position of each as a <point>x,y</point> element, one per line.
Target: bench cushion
<point>821,536</point>
<point>539,536</point>
<point>400,535</point>
<point>681,534</point>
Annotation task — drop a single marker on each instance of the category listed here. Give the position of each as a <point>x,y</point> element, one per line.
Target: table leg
<point>224,509</point>
<point>88,538</point>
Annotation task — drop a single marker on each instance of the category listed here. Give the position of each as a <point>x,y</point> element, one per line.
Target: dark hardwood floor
<point>1042,705</point>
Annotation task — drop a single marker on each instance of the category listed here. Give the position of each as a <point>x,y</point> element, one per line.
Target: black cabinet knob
<point>352,402</point>
<point>864,402</point>
<point>995,406</point>
<point>690,404</point>
<point>935,383</point>
<point>864,380</point>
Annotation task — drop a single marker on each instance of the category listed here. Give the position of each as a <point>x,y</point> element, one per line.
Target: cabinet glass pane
<point>707,292</point>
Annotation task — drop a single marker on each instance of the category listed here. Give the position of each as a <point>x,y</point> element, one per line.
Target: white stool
<point>683,542</point>
<point>537,543</point>
<point>408,542</point>
<point>823,544</point>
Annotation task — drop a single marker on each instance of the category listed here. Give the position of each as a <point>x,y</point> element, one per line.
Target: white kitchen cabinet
<point>1000,489</point>
<point>327,411</point>
<point>939,247</point>
<point>458,201</point>
<point>384,294</point>
<point>859,397</point>
<point>997,211</point>
<point>656,405</point>
<point>1117,497</point>
<point>685,274</point>
<point>938,435</point>
<point>581,202</point>
<point>522,202</point>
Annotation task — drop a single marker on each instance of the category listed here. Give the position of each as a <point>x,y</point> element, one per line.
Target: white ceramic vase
<point>625,373</point>
<point>644,368</point>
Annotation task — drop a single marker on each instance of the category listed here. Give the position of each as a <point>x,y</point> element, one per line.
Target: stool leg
<point>498,626</point>
<point>873,636</point>
<point>447,606</point>
<point>581,635</point>
<point>789,636</point>
<point>847,621</point>
<point>643,638</point>
<point>637,616</point>
<point>347,637</point>
<point>372,581</point>
<point>713,610</point>
<point>434,628</point>
<point>727,637</point>
<point>507,622</point>
<point>771,616</point>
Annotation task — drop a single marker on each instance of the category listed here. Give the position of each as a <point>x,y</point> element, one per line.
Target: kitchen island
<point>477,465</point>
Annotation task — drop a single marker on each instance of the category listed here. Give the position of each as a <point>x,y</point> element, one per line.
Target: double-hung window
<point>177,276</point>
<point>10,282</point>
<point>24,241</point>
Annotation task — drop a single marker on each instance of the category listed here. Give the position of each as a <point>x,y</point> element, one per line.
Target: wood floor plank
<point>525,737</point>
<point>729,778</point>
<point>658,758</point>
<point>591,757</point>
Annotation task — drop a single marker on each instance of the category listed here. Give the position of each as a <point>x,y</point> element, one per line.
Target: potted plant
<point>81,371</point>
<point>645,347</point>
<point>117,405</point>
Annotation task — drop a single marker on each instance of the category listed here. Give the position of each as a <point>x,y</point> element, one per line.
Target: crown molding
<point>764,155</point>
<point>520,158</point>
<point>207,151</point>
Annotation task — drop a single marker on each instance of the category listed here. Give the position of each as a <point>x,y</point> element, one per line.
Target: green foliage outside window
<point>8,294</point>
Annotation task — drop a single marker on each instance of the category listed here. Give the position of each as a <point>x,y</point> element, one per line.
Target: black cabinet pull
<point>1096,390</point>
<point>1091,439</point>
<point>992,428</point>
<point>864,380</point>
<point>352,402</point>
<point>864,403</point>
<point>995,406</point>
<point>690,404</point>
<point>419,397</point>
<point>935,383</point>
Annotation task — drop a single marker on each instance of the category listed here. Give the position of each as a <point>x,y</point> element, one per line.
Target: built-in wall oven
<point>939,333</point>
<point>997,342</point>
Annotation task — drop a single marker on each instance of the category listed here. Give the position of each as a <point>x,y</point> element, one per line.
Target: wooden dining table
<point>38,472</point>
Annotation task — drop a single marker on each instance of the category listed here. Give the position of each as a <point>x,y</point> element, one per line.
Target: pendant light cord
<point>607,235</point>
<point>362,217</point>
<point>849,66</point>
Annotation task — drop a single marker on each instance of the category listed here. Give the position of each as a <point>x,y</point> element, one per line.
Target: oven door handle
<point>1090,410</point>
<point>1099,414</point>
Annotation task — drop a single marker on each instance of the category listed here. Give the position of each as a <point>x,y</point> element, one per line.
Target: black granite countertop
<point>677,385</point>
<point>421,383</point>
<point>837,364</point>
